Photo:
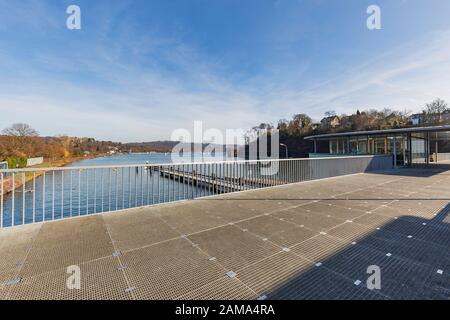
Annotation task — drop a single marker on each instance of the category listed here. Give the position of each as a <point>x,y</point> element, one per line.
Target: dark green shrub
<point>16,162</point>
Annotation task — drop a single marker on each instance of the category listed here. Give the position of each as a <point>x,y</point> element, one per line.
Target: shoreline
<point>9,185</point>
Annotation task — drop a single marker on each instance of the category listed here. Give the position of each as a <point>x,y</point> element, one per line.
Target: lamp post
<point>283,145</point>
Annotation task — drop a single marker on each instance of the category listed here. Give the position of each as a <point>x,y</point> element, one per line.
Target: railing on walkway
<point>45,194</point>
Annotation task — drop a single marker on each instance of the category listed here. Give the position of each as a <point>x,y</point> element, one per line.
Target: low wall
<point>326,167</point>
<point>443,156</point>
<point>34,161</point>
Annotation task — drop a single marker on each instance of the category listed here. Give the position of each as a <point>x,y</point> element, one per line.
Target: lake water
<point>61,194</point>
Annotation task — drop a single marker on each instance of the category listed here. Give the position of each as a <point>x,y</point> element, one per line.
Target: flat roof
<point>379,132</point>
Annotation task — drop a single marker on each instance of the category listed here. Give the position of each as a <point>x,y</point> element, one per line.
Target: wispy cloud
<point>120,84</point>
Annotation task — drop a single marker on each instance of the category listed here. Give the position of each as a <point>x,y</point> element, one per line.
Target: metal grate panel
<point>100,280</point>
<point>225,288</point>
<point>68,242</point>
<point>232,247</point>
<point>265,226</point>
<point>351,231</point>
<point>169,270</point>
<point>319,248</point>
<point>271,273</point>
<point>137,229</point>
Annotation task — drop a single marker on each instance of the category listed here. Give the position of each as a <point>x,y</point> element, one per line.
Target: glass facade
<point>408,148</point>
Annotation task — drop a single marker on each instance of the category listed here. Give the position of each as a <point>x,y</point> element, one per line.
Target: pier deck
<point>311,240</point>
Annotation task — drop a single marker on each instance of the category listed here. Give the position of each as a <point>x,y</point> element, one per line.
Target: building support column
<point>404,146</point>
<point>315,146</point>
<point>437,152</point>
<point>409,142</point>
<point>385,145</point>
<point>394,140</point>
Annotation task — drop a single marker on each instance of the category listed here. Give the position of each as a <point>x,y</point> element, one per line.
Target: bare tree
<point>330,113</point>
<point>20,130</point>
<point>434,110</point>
<point>21,140</point>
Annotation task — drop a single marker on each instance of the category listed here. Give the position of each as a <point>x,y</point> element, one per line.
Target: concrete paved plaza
<point>311,240</point>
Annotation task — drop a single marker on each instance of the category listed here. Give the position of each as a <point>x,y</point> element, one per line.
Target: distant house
<point>315,126</point>
<point>420,118</point>
<point>445,117</point>
<point>330,122</point>
<point>416,119</point>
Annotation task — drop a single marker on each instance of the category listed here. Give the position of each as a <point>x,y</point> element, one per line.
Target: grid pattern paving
<point>310,240</point>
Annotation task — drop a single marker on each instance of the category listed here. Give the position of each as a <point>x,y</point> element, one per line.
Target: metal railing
<point>45,194</point>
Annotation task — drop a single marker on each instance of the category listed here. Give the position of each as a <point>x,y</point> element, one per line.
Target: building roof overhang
<point>380,132</point>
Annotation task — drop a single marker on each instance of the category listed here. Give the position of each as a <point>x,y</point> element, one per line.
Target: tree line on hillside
<point>292,132</point>
<point>20,142</point>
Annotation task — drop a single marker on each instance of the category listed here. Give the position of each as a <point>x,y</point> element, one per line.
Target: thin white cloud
<point>129,97</point>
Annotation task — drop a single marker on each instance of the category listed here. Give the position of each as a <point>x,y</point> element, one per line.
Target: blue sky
<point>137,70</point>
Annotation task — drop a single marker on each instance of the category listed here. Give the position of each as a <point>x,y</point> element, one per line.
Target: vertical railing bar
<point>53,195</point>
<point>23,197</point>
<point>87,191</point>
<point>168,182</point>
<point>209,178</point>
<point>231,173</point>
<point>1,199</point>
<point>109,189</point>
<point>123,188</point>
<point>173,186</point>
<point>129,187</point>
<point>179,182</point>
<point>102,189</point>
<point>79,192</point>
<point>159,184</point>
<point>184,181</point>
<point>62,194</point>
<point>164,184</point>
<point>70,195</point>
<point>142,185</point>
<point>147,184</point>
<point>95,190</point>
<point>136,173</point>
<point>153,185</point>
<point>197,190</point>
<point>214,178</point>
<point>13,198</point>
<point>43,196</point>
<point>191,176</point>
<point>117,188</point>
<point>34,197</point>
<point>225,177</point>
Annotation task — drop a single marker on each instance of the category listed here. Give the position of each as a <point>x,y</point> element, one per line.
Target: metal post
<point>395,152</point>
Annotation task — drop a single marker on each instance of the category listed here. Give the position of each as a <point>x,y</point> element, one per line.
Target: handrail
<point>141,165</point>
<point>34,195</point>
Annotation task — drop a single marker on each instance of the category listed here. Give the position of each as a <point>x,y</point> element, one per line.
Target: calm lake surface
<point>62,194</point>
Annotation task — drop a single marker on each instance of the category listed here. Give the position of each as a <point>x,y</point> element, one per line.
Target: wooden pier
<point>217,184</point>
<point>214,184</point>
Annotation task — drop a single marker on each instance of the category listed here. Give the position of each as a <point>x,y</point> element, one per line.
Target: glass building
<point>407,145</point>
